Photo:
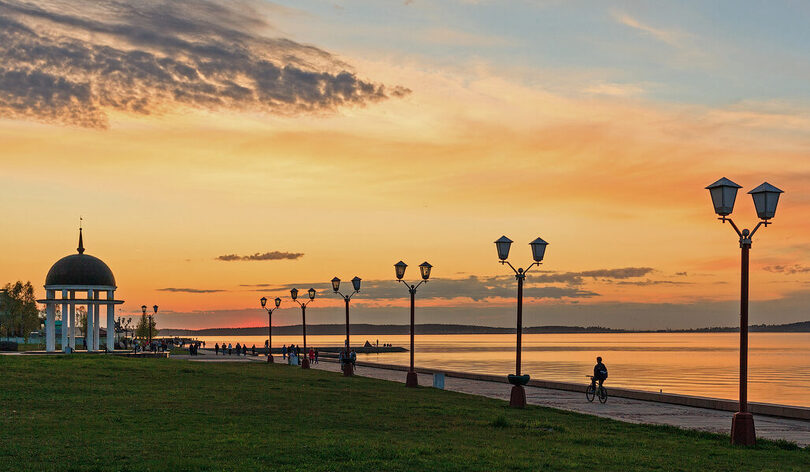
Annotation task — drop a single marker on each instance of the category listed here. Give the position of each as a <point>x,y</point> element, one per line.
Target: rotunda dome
<point>80,269</point>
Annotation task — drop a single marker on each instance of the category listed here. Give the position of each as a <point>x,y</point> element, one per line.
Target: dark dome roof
<point>80,269</point>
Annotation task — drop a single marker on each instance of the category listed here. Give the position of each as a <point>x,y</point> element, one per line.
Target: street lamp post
<point>149,333</point>
<point>424,268</point>
<point>518,397</point>
<point>151,322</point>
<point>270,311</point>
<point>294,296</point>
<point>766,197</point>
<point>348,369</point>
<point>143,311</point>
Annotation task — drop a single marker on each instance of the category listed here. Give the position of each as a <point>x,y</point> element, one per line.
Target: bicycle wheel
<point>590,393</point>
<point>602,394</point>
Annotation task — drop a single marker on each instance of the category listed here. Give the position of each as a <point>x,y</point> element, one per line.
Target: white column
<point>72,309</point>
<point>88,338</point>
<point>96,324</point>
<point>65,326</point>
<point>50,322</point>
<point>110,322</point>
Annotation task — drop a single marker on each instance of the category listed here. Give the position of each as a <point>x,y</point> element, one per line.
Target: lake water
<point>705,364</point>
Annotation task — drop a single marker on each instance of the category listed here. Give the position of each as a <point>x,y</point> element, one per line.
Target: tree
<point>142,329</point>
<point>19,314</point>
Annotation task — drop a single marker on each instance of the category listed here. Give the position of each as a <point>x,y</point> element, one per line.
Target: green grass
<point>105,413</point>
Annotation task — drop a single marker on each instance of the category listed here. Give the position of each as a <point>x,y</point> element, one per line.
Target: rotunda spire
<point>81,243</point>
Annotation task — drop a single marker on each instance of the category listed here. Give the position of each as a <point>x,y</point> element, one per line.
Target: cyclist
<point>600,372</point>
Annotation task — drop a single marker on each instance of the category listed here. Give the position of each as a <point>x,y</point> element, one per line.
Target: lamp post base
<point>742,429</point>
<point>411,380</point>
<point>348,369</point>
<point>518,397</point>
<point>269,359</point>
<point>305,363</point>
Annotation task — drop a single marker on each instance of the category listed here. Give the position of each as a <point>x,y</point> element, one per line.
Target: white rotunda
<point>79,279</point>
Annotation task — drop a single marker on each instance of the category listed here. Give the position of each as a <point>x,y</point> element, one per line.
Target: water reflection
<point>703,364</point>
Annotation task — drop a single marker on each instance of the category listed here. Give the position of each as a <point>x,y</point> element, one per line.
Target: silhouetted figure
<point>600,372</point>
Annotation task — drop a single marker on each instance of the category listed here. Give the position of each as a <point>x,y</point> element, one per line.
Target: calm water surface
<point>704,364</point>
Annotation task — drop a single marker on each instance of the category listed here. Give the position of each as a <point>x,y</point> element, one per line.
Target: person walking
<point>316,355</point>
<point>238,349</point>
<point>230,349</point>
<point>311,355</point>
<point>216,349</point>
<point>253,350</point>
<point>284,352</point>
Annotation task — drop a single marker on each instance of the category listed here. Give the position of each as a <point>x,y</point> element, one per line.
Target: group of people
<point>154,346</point>
<point>295,350</point>
<point>241,349</point>
<point>351,358</point>
<point>193,348</point>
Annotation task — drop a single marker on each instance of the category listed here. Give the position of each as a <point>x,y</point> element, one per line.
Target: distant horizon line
<point>472,329</point>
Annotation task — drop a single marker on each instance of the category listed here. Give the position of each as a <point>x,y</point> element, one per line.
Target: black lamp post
<point>766,197</point>
<point>294,296</point>
<point>348,369</point>
<point>424,268</point>
<point>147,320</point>
<point>270,311</point>
<point>518,397</point>
<point>151,322</point>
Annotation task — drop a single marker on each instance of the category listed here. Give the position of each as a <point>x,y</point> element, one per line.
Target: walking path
<point>622,409</point>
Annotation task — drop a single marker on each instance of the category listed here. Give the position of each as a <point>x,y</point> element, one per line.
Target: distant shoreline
<point>433,329</point>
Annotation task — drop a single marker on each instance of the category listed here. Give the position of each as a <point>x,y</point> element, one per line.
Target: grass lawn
<point>106,413</point>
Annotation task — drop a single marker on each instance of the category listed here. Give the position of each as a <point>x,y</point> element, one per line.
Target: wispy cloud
<point>473,288</point>
<point>788,269</point>
<point>539,285</point>
<point>190,290</point>
<point>671,37</point>
<point>576,278</point>
<point>261,256</point>
<point>614,89</point>
<point>648,282</point>
<point>72,62</point>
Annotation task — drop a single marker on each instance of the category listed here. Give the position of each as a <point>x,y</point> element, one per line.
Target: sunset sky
<point>336,138</point>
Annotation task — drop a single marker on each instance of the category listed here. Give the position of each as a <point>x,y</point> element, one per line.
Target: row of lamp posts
<point>723,194</point>
<point>294,295</point>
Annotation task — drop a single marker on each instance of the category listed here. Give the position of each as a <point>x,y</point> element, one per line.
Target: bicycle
<point>593,391</point>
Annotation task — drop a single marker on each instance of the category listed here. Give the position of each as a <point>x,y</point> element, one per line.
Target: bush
<point>8,346</point>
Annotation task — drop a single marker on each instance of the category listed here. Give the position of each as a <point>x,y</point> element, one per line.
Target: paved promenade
<point>622,409</point>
